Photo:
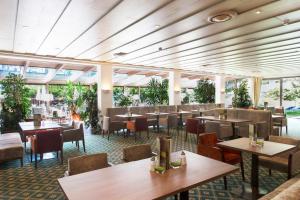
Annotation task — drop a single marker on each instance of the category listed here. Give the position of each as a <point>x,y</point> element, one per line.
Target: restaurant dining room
<point>149,99</point>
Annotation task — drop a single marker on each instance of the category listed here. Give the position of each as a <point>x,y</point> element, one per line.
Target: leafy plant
<point>205,91</point>
<point>125,101</point>
<point>74,96</point>
<point>241,98</point>
<point>58,91</point>
<point>156,92</point>
<point>16,103</point>
<point>90,114</point>
<point>186,98</point>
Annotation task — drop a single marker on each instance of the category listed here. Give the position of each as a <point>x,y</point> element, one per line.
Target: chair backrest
<point>87,163</point>
<point>208,139</point>
<point>192,125</point>
<point>172,121</point>
<point>286,140</point>
<point>105,125</point>
<point>137,152</point>
<point>48,140</point>
<point>141,124</point>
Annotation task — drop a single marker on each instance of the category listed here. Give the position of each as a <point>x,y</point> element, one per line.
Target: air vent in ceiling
<point>222,16</point>
<point>120,54</point>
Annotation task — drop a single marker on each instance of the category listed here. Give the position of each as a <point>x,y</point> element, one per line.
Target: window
<point>270,92</point>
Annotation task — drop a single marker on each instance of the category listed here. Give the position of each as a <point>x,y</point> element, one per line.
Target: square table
<point>134,180</point>
<point>29,126</point>
<point>269,149</point>
<point>232,121</point>
<point>157,115</point>
<point>129,117</point>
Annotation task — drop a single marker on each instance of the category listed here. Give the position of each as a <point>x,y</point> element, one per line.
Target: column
<point>105,87</point>
<point>174,88</point>
<point>251,88</point>
<point>220,89</point>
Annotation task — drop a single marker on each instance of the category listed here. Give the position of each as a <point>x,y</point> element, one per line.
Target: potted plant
<point>16,102</point>
<point>241,98</point>
<point>205,91</point>
<point>90,114</point>
<point>156,92</point>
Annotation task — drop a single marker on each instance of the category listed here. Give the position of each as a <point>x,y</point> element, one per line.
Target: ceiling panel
<point>35,20</point>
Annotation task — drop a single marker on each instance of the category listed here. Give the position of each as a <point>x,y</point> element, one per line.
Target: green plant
<point>125,101</point>
<point>74,96</point>
<point>58,91</point>
<point>16,102</point>
<point>186,98</point>
<point>90,114</point>
<point>204,92</point>
<point>156,92</point>
<point>241,98</point>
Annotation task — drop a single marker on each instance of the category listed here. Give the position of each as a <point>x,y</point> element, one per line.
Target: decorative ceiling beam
<point>24,68</point>
<point>52,73</point>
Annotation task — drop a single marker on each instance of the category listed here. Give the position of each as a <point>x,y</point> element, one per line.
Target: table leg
<point>233,130</point>
<point>157,119</point>
<point>184,195</point>
<point>180,120</point>
<point>254,176</point>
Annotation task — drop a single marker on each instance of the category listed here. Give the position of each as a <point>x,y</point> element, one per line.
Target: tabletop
<point>157,113</point>
<point>29,126</point>
<point>129,116</point>
<point>184,112</point>
<point>278,116</point>
<point>232,120</point>
<point>269,149</point>
<point>134,180</point>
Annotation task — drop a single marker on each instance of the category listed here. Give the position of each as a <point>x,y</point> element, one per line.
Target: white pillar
<point>220,89</point>
<point>174,88</point>
<point>105,87</point>
<point>251,88</point>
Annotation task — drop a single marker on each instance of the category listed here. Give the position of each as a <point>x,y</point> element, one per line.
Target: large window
<point>291,95</point>
<point>229,86</point>
<point>270,92</point>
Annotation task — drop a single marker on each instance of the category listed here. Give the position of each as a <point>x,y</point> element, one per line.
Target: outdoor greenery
<point>16,102</point>
<point>156,92</point>
<point>120,98</point>
<point>205,91</point>
<point>90,114</point>
<point>58,91</point>
<point>241,98</point>
<point>186,96</point>
<point>291,94</point>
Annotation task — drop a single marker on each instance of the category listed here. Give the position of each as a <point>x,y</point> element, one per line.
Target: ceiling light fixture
<point>222,16</point>
<point>157,26</point>
<point>120,54</point>
<point>258,12</point>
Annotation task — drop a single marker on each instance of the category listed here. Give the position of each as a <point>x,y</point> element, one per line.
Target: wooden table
<point>269,149</point>
<point>129,117</point>
<point>134,181</point>
<point>157,115</point>
<point>232,121</point>
<point>29,126</point>
<point>181,113</point>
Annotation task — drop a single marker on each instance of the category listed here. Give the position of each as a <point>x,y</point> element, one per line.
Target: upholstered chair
<point>194,126</point>
<point>87,163</point>
<point>109,126</point>
<point>75,135</point>
<point>46,141</point>
<point>170,122</point>
<point>207,146</point>
<point>137,152</point>
<point>288,162</point>
<point>280,122</point>
<point>139,125</point>
<point>223,130</point>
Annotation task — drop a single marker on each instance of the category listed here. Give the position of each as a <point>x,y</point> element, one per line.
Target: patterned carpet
<point>29,183</point>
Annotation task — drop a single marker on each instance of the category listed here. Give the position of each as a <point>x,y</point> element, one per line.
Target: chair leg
<point>148,133</point>
<point>21,161</point>
<point>57,154</point>
<point>225,182</point>
<point>83,143</point>
<point>108,133</point>
<point>270,172</point>
<point>286,130</point>
<point>168,130</point>
<point>77,142</point>
<point>61,157</point>
<point>35,161</point>
<point>30,155</point>
<point>242,169</point>
<point>186,135</point>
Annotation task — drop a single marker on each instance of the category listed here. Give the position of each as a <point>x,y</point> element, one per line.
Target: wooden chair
<point>194,126</point>
<point>46,141</point>
<point>171,122</point>
<point>288,162</point>
<point>75,135</point>
<point>109,126</point>
<point>207,146</point>
<point>137,152</point>
<point>87,163</point>
<point>139,125</point>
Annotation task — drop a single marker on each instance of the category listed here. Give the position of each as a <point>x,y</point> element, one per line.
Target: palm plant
<point>74,96</point>
<point>156,92</point>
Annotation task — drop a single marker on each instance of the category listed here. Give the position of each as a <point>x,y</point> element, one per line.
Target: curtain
<point>257,88</point>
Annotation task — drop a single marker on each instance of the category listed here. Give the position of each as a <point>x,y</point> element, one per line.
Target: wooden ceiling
<point>262,40</point>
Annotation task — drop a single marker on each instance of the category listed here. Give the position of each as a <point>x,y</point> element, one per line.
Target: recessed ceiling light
<point>222,16</point>
<point>258,12</point>
<point>157,26</point>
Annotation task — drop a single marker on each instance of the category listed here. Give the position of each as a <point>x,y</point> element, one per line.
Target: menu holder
<point>164,145</point>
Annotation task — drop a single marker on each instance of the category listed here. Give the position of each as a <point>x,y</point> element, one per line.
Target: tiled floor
<point>29,183</point>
